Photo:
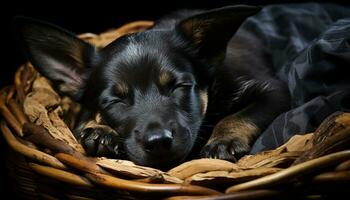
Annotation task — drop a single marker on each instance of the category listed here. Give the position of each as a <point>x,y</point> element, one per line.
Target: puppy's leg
<point>233,136</point>
<point>98,139</point>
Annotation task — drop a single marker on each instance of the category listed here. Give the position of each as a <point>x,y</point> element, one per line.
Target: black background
<point>81,17</point>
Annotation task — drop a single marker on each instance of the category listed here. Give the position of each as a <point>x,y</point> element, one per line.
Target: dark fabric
<point>310,50</point>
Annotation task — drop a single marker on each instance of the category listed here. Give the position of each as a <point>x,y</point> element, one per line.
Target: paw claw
<point>226,149</point>
<point>99,141</point>
<point>116,149</point>
<point>232,151</point>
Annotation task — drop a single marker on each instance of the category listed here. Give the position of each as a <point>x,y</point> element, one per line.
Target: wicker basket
<point>53,170</point>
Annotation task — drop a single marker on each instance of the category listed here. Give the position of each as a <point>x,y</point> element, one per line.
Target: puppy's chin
<point>160,162</point>
<point>164,161</point>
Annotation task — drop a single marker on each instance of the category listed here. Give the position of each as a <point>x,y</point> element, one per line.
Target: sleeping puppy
<point>146,95</point>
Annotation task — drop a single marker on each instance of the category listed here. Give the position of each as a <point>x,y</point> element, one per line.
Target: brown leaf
<point>128,168</point>
<point>42,106</point>
<point>216,177</point>
<point>203,165</point>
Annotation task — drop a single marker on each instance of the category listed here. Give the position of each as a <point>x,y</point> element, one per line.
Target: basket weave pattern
<point>43,166</point>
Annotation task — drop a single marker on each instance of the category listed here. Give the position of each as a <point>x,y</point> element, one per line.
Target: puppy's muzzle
<point>158,141</point>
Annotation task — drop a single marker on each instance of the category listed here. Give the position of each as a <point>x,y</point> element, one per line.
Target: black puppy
<point>146,94</point>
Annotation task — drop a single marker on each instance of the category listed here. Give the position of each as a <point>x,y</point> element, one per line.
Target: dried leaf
<point>298,143</point>
<point>249,161</point>
<point>331,125</point>
<point>128,168</point>
<point>283,156</point>
<point>192,167</point>
<point>215,177</point>
<point>42,106</point>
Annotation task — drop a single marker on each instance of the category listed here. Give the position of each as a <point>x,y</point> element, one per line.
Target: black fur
<point>154,124</point>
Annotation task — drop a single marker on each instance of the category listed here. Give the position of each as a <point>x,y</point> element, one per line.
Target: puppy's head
<point>151,87</point>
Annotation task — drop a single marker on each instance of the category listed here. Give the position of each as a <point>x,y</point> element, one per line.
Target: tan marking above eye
<point>203,95</point>
<point>121,89</point>
<point>165,78</point>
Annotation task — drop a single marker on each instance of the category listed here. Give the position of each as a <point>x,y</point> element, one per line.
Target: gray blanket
<point>310,47</point>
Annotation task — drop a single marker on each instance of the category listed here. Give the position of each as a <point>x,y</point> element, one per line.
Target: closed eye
<point>106,104</point>
<point>117,100</point>
<point>183,85</point>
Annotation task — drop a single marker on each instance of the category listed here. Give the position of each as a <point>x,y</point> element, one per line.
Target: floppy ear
<point>209,32</point>
<point>55,53</point>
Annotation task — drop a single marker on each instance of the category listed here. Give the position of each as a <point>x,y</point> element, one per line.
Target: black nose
<point>158,141</point>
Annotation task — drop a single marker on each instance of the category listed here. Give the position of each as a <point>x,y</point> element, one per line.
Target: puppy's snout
<point>158,141</point>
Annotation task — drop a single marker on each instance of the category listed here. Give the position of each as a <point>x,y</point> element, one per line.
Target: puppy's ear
<point>209,32</point>
<point>55,53</point>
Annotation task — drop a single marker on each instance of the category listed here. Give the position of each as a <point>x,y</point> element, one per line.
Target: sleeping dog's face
<point>150,87</point>
<point>150,94</point>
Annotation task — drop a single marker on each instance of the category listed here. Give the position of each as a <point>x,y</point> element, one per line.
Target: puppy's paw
<point>227,149</point>
<point>100,141</point>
